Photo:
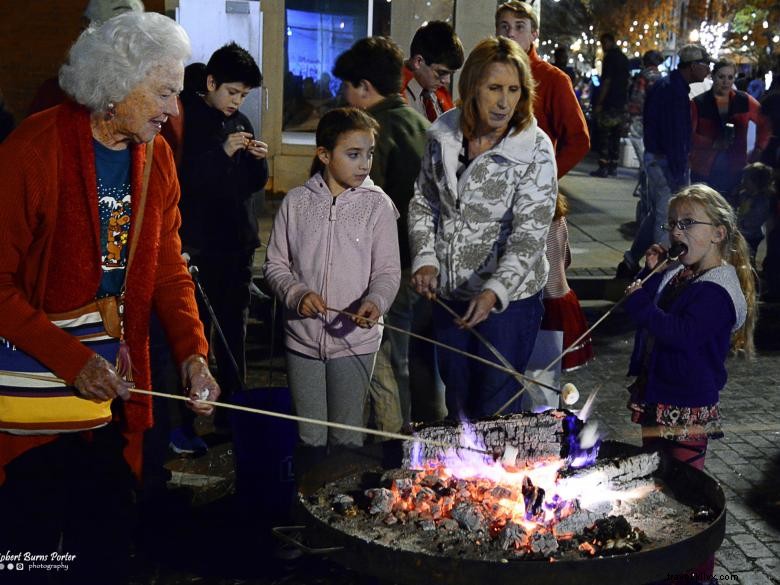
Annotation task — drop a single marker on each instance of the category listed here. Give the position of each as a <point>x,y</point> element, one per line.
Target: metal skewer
<point>367,431</point>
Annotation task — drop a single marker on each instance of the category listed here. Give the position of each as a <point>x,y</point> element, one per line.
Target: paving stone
<point>751,546</point>
<point>755,578</point>
<point>759,441</point>
<point>733,559</point>
<point>770,565</point>
<point>751,473</point>
<point>734,526</point>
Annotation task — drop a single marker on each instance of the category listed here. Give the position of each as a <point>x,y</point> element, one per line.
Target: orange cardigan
<point>50,256</point>
<point>558,113</point>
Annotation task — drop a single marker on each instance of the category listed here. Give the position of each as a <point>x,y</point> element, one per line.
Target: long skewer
<point>492,348</point>
<point>508,370</point>
<point>335,425</point>
<point>673,255</point>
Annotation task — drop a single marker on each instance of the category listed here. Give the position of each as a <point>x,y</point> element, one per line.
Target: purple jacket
<point>344,248</point>
<point>687,364</point>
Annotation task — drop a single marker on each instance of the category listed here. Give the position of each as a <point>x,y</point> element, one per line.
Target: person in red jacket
<point>69,446</point>
<point>436,53</point>
<point>556,107</point>
<point>720,119</point>
<point>558,113</point>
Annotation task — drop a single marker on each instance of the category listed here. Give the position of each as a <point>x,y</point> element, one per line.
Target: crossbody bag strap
<point>139,215</point>
<point>124,366</point>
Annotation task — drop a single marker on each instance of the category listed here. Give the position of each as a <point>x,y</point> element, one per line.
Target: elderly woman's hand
<point>424,281</point>
<point>235,142</point>
<point>99,381</point>
<point>479,308</point>
<point>200,384</point>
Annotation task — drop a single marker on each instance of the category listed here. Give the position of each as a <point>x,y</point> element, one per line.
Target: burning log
<point>382,501</point>
<point>344,505</point>
<point>576,523</point>
<point>621,473</point>
<point>534,498</point>
<point>534,436</point>
<point>543,544</point>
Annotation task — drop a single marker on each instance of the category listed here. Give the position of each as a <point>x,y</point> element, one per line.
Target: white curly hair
<point>108,60</point>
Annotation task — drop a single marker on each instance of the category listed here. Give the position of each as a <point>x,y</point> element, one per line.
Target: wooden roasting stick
<point>385,434</point>
<point>503,368</point>
<point>569,395</point>
<point>675,252</point>
<point>757,427</point>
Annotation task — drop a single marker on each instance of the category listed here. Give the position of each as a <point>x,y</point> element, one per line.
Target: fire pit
<point>531,516</point>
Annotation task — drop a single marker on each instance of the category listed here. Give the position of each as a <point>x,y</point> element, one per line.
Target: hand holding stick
<point>502,368</point>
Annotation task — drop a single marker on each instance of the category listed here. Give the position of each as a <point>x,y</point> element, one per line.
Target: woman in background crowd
<point>720,120</point>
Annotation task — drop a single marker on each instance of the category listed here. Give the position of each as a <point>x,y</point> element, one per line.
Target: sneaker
<point>600,172</point>
<point>185,441</point>
<point>625,271</point>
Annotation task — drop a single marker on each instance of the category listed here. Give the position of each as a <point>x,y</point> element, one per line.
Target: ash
<point>422,512</point>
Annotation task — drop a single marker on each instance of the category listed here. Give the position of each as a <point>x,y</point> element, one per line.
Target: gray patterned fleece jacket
<point>488,229</point>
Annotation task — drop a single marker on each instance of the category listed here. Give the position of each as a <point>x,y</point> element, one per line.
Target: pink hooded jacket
<point>344,248</point>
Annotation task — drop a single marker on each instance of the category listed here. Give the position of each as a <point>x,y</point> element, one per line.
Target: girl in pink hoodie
<point>334,244</point>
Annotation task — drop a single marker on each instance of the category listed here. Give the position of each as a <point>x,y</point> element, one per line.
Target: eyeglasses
<point>683,224</point>
<point>440,72</point>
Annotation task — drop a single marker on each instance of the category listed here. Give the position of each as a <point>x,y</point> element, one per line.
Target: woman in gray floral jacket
<point>478,225</point>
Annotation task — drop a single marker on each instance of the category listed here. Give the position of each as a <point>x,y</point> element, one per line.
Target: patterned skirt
<point>677,423</point>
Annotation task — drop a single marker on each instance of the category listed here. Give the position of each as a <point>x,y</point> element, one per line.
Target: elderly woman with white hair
<point>88,246</point>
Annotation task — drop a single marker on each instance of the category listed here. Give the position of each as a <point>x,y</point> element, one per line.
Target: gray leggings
<point>334,390</point>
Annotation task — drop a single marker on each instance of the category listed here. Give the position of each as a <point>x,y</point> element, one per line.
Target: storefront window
<point>318,31</point>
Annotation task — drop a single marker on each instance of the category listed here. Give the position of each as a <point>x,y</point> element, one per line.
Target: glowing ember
<point>520,507</point>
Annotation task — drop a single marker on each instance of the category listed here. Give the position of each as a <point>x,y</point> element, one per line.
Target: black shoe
<point>629,228</point>
<point>612,169</point>
<point>624,271</point>
<point>600,172</point>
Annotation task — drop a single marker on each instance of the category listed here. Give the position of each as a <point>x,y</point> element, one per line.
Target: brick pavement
<point>746,462</point>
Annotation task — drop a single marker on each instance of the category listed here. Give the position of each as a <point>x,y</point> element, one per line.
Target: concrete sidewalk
<point>597,208</point>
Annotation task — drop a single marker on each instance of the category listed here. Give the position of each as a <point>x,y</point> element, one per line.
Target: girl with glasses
<point>689,317</point>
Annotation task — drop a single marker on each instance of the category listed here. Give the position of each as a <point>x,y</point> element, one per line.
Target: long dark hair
<point>334,124</point>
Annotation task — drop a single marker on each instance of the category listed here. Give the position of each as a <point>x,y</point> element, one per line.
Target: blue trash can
<point>263,454</point>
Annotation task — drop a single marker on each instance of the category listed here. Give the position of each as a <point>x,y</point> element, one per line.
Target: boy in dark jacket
<point>371,72</point>
<point>222,166</point>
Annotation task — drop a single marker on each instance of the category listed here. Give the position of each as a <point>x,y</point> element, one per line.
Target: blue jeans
<point>474,390</point>
<point>660,189</point>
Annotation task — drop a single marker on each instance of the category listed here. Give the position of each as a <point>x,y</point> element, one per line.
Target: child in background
<point>563,322</point>
<point>689,316</point>
<point>222,165</point>
<point>755,204</point>
<point>334,244</point>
